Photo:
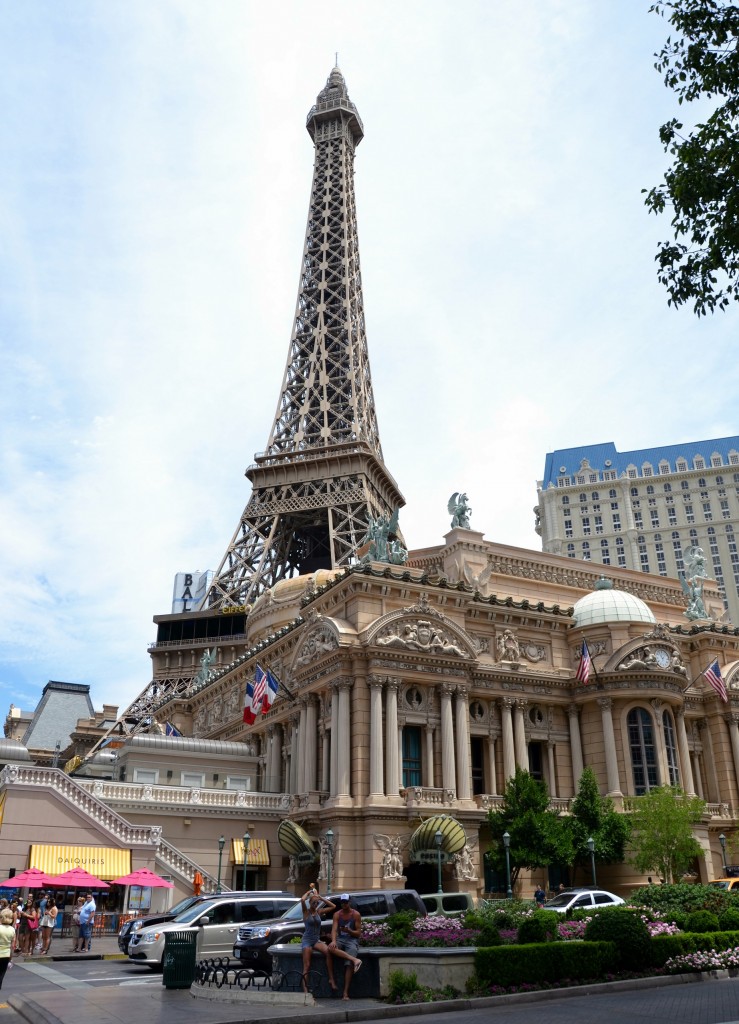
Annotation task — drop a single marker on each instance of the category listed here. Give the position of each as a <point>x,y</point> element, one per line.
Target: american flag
<point>583,669</point>
<point>714,677</point>
<point>260,689</point>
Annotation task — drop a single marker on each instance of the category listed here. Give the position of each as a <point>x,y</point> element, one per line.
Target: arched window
<point>650,489</point>
<point>611,493</point>
<point>643,752</point>
<point>583,497</point>
<point>634,492</point>
<point>671,748</point>
<point>668,487</point>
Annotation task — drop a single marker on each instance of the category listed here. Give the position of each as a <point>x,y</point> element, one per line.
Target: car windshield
<point>720,884</point>
<point>560,901</point>
<point>196,911</point>
<point>182,905</point>
<point>295,913</point>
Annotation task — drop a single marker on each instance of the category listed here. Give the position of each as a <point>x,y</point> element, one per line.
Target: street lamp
<point>438,839</point>
<point>247,837</point>
<point>722,840</point>
<point>329,855</point>
<point>591,847</point>
<point>221,844</point>
<point>507,844</point>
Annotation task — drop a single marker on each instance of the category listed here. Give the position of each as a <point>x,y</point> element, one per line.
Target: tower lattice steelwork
<point>322,474</point>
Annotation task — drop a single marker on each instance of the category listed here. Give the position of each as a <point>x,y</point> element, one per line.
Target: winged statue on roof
<point>381,547</point>
<point>459,509</point>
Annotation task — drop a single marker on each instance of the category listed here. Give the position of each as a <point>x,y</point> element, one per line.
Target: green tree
<point>662,838</point>
<point>593,817</point>
<point>537,836</point>
<point>701,187</point>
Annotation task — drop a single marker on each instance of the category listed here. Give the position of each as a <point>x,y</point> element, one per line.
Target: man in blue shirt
<point>87,914</point>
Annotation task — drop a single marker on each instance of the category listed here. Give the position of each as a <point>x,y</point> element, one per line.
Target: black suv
<point>129,929</point>
<point>254,939</point>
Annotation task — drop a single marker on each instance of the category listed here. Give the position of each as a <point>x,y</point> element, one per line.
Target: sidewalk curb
<point>32,1012</point>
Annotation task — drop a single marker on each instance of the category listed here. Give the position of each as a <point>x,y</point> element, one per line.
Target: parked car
<point>216,921</point>
<point>137,923</point>
<point>582,898</point>
<point>254,939</point>
<point>448,904</point>
<point>729,884</point>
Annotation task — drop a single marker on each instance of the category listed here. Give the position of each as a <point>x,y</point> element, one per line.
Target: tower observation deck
<point>322,473</point>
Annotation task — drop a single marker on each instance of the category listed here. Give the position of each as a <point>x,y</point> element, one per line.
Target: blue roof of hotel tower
<point>567,462</point>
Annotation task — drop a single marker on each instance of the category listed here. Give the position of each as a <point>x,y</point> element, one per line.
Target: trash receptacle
<point>178,963</point>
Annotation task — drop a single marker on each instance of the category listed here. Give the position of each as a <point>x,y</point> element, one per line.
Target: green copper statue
<point>382,549</point>
<point>459,510</point>
<point>692,582</point>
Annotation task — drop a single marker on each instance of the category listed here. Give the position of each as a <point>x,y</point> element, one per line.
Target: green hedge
<point>664,947</point>
<point>545,962</point>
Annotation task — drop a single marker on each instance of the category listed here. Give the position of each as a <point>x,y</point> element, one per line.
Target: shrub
<point>667,947</point>
<point>544,962</point>
<point>625,928</point>
<point>399,926</point>
<point>540,927</point>
<point>671,900</point>
<point>401,985</point>
<point>701,921</point>
<point>729,920</point>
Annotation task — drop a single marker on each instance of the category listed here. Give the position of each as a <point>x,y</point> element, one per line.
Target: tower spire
<point>322,474</point>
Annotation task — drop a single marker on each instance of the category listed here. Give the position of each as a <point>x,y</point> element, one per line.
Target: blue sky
<point>154,180</point>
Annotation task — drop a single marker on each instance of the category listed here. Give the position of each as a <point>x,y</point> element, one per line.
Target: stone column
<point>519,732</point>
<point>509,758</point>
<point>343,780</point>
<point>376,765</point>
<point>428,766</point>
<point>552,772</point>
<point>392,772</point>
<point>300,772</point>
<point>491,765</point>
<point>464,781</point>
<point>310,748</point>
<point>294,750</point>
<point>686,769</point>
<point>709,762</point>
<point>325,783</point>
<point>334,743</point>
<point>609,743</point>
<point>658,708</point>
<point>573,713</point>
<point>447,738</point>
<point>733,723</point>
<point>274,760</point>
<point>697,775</point>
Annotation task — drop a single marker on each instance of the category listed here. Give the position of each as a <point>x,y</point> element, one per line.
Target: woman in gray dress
<point>312,904</point>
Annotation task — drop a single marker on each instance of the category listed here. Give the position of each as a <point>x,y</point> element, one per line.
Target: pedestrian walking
<point>7,941</point>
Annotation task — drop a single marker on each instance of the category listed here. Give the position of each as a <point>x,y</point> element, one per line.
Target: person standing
<point>87,914</point>
<point>7,941</point>
<point>76,922</point>
<point>28,927</point>
<point>345,932</point>
<point>48,921</point>
<point>540,896</point>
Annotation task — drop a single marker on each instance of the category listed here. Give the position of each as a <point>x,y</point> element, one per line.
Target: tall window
<point>477,758</point>
<point>643,753</point>
<point>411,755</point>
<point>671,748</point>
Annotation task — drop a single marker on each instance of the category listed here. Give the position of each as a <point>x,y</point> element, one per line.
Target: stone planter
<point>433,967</point>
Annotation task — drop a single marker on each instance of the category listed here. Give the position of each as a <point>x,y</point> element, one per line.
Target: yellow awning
<point>453,834</point>
<point>258,854</point>
<point>105,862</point>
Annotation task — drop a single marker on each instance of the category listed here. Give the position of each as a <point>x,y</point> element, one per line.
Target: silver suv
<point>216,920</point>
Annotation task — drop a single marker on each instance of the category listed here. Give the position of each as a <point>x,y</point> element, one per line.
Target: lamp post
<point>247,837</point>
<point>507,845</point>
<point>221,844</point>
<point>329,855</point>
<point>722,840</point>
<point>438,839</point>
<point>591,847</point>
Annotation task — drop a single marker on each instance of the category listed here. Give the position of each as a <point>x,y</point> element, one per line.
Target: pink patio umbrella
<point>31,878</point>
<point>144,877</point>
<point>76,878</point>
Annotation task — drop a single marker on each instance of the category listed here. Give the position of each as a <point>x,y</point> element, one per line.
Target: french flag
<point>249,713</point>
<point>270,693</point>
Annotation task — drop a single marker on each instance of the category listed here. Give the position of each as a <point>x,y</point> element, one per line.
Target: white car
<point>582,899</point>
<point>216,921</point>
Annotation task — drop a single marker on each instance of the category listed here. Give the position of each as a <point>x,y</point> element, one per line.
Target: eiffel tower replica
<point>322,475</point>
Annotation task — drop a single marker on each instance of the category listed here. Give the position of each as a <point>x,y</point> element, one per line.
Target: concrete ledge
<point>250,996</point>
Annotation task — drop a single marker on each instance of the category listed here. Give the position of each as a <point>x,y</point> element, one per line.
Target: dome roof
<point>608,605</point>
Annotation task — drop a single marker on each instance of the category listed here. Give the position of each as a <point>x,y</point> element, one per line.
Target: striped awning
<point>257,854</point>
<point>454,836</point>
<point>105,862</point>
<point>295,840</point>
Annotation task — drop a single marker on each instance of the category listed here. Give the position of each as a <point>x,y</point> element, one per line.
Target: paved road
<point>118,992</point>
